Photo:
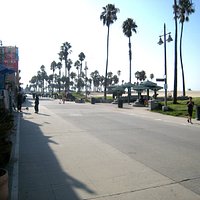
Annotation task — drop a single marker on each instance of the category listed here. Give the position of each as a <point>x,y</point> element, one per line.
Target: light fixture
<point>160,41</point>
<point>169,38</point>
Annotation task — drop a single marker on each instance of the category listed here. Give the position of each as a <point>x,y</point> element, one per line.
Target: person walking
<point>36,103</point>
<point>190,105</point>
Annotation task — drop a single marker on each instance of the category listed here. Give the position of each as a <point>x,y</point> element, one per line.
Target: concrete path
<point>56,161</point>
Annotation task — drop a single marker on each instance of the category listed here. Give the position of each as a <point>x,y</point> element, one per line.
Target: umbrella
<point>139,88</point>
<point>128,85</point>
<point>149,83</point>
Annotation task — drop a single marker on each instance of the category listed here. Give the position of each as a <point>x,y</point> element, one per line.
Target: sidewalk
<point>56,161</point>
<point>144,112</point>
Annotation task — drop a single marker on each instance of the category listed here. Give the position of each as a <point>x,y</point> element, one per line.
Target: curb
<point>15,172</point>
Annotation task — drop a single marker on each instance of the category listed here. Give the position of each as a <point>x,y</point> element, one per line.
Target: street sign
<point>160,79</point>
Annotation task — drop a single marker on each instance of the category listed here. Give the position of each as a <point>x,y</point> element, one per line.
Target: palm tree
<point>185,8</point>
<point>128,26</point>
<point>96,78</point>
<point>42,76</point>
<point>109,15</point>
<point>33,82</point>
<point>81,58</point>
<point>175,8</point>
<point>63,55</point>
<point>59,66</point>
<point>50,83</point>
<point>77,64</point>
<point>109,79</point>
<point>73,76</point>
<point>53,67</point>
<point>69,66</point>
<point>140,75</point>
<point>115,79</point>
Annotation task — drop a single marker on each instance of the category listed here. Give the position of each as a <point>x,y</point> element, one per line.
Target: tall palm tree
<point>73,76</point>
<point>63,55</point>
<point>128,27</point>
<point>185,8</point>
<point>175,8</point>
<point>81,58</point>
<point>77,64</point>
<point>33,82</point>
<point>109,15</point>
<point>59,66</point>
<point>69,66</point>
<point>65,51</point>
<point>95,78</point>
<point>42,76</point>
<point>53,68</point>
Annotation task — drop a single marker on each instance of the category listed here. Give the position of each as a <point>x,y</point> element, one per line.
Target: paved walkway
<point>55,161</point>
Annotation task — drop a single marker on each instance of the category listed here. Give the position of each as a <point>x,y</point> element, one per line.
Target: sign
<point>160,79</point>
<point>9,57</point>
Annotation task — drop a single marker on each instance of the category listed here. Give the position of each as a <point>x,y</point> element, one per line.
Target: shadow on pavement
<point>40,175</point>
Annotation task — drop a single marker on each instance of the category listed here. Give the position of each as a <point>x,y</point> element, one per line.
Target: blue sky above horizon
<point>40,27</point>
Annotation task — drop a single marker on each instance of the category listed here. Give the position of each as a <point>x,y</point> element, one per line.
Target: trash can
<point>92,100</point>
<point>153,104</point>
<point>120,103</point>
<point>198,112</point>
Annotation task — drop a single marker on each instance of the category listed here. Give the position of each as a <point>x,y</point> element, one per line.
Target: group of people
<point>21,99</point>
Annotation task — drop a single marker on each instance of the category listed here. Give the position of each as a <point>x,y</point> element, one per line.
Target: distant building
<point>9,76</point>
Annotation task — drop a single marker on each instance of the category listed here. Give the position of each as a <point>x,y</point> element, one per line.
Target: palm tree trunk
<point>69,79</point>
<point>43,87</point>
<point>181,59</point>
<point>65,73</point>
<point>53,84</point>
<point>175,55</point>
<point>105,86</point>
<point>130,58</point>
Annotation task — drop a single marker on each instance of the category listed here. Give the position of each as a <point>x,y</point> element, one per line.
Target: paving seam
<point>137,190</point>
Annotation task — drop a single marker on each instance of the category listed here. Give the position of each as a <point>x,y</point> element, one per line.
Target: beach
<point>189,93</point>
<point>161,93</point>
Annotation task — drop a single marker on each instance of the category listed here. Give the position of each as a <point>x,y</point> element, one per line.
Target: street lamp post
<point>165,61</point>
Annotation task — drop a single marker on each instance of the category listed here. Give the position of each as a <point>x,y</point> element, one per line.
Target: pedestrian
<point>36,103</point>
<point>190,105</point>
<point>19,101</point>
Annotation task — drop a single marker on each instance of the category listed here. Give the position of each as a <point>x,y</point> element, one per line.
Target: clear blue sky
<point>39,27</point>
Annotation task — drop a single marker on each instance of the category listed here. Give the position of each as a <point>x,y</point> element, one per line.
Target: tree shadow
<point>40,173</point>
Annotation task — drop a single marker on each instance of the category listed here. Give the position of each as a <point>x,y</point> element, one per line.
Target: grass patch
<point>179,109</point>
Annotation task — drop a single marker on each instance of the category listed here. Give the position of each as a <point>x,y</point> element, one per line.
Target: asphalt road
<point>168,145</point>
